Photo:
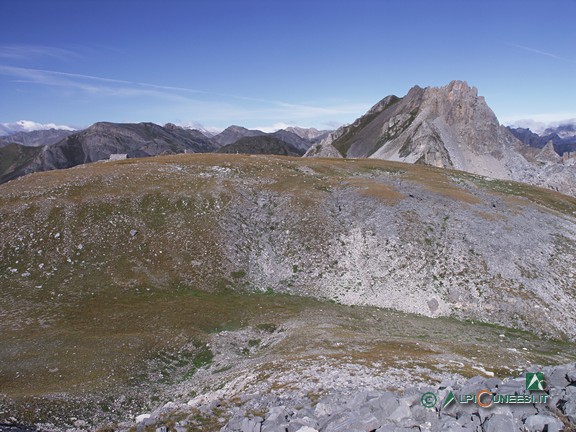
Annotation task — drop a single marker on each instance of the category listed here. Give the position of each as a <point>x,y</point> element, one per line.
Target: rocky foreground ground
<point>353,408</point>
<point>358,408</point>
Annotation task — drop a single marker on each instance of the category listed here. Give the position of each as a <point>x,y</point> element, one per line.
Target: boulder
<point>540,422</point>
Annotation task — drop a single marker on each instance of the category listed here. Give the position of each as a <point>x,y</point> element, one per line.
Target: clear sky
<point>261,63</point>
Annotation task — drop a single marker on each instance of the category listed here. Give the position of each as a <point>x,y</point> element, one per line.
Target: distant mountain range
<point>262,144</point>
<point>563,138</point>
<point>294,140</point>
<point>447,127</point>
<point>36,138</point>
<point>98,142</point>
<point>24,153</point>
<point>30,126</point>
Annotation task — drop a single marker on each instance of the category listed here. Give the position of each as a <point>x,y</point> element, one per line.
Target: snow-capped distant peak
<point>206,130</point>
<point>29,126</point>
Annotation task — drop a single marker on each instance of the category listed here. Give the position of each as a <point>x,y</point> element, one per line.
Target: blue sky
<point>266,63</point>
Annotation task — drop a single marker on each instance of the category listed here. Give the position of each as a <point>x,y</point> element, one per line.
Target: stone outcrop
<point>386,411</point>
<point>548,154</point>
<point>324,149</point>
<point>358,410</point>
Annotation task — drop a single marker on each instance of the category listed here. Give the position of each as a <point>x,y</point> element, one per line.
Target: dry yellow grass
<point>372,188</point>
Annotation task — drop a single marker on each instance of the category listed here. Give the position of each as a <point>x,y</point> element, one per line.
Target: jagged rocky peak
<point>447,127</point>
<point>419,126</point>
<point>232,134</point>
<point>236,128</point>
<point>383,104</point>
<point>455,91</point>
<point>310,134</point>
<point>99,126</point>
<point>457,88</point>
<point>458,104</point>
<point>548,154</point>
<point>427,126</point>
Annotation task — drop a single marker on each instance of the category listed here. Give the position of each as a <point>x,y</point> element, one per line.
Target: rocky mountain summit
<point>449,127</point>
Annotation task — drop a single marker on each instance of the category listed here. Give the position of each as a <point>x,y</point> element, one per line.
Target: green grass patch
<point>267,327</point>
<point>238,274</point>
